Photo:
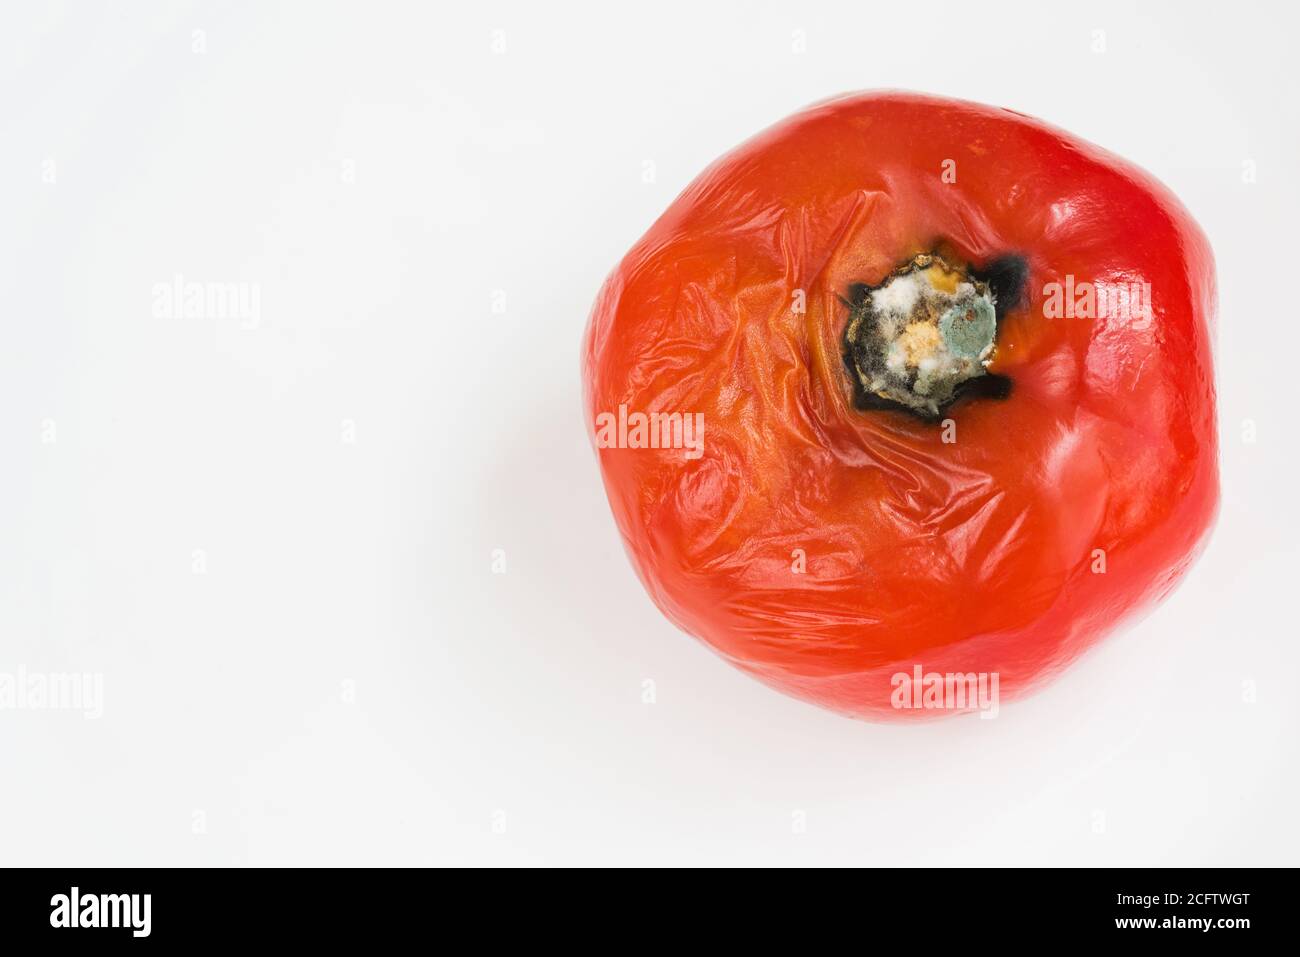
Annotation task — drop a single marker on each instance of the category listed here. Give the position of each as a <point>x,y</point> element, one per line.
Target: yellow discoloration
<point>942,280</point>
<point>919,340</point>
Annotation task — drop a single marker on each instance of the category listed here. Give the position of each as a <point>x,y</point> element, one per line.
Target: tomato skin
<point>1056,514</point>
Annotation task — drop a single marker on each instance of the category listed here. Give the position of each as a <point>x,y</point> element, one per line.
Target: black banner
<point>97,907</point>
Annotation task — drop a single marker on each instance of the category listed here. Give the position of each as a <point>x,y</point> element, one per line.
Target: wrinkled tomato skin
<point>1050,517</point>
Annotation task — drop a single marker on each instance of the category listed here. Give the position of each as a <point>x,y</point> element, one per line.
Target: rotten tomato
<point>906,387</point>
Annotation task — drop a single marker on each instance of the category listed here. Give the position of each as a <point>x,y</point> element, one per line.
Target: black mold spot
<point>988,386</point>
<point>1007,277</point>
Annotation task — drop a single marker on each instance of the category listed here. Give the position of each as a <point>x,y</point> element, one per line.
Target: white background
<point>347,681</point>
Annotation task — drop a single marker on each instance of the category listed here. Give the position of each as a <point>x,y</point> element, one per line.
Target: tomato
<point>906,392</point>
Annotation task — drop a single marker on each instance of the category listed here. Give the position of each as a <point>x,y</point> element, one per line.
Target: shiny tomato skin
<point>1007,540</point>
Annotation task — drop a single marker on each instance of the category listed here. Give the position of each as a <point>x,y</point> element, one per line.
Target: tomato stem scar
<point>926,335</point>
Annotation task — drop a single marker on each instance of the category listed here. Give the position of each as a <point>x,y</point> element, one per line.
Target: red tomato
<point>906,388</point>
